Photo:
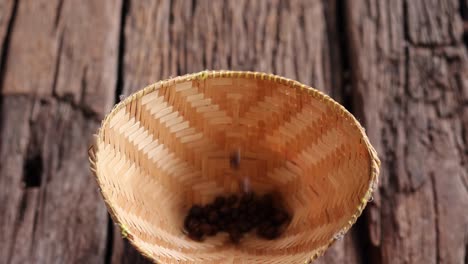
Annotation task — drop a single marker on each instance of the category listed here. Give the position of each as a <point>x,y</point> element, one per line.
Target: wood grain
<point>58,80</point>
<point>400,66</point>
<point>289,38</point>
<point>409,70</point>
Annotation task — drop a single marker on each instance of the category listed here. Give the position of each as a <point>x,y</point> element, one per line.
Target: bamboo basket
<point>167,146</point>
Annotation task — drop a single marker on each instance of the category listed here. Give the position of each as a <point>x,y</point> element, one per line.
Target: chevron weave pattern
<point>167,147</point>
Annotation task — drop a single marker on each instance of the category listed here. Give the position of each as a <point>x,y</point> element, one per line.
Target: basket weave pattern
<point>167,147</point>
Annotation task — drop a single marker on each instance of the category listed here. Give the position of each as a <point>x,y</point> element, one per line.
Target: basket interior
<point>168,147</point>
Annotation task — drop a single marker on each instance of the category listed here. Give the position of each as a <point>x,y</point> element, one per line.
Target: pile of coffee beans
<point>238,215</point>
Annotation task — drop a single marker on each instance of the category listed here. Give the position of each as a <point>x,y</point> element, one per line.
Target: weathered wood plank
<point>59,79</point>
<point>15,131</point>
<point>65,49</point>
<point>409,70</point>
<point>7,8</point>
<point>58,71</point>
<point>34,47</point>
<point>433,22</point>
<point>291,38</point>
<point>88,53</point>
<point>164,39</point>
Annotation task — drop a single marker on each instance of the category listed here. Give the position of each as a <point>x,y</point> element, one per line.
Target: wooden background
<point>399,65</point>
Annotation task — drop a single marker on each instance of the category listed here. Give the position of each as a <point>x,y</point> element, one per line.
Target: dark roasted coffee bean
<point>280,217</point>
<point>266,202</point>
<point>235,236</point>
<point>196,210</point>
<point>205,228</point>
<point>232,200</point>
<point>219,202</point>
<point>243,208</point>
<point>213,217</point>
<point>191,223</point>
<point>247,198</point>
<point>213,230</point>
<point>268,231</point>
<point>224,211</point>
<point>243,216</point>
<point>256,220</point>
<point>245,227</point>
<point>252,210</point>
<point>203,219</point>
<point>222,225</point>
<point>234,214</point>
<point>196,235</point>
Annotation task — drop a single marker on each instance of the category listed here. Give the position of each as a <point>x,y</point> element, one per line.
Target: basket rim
<point>207,74</point>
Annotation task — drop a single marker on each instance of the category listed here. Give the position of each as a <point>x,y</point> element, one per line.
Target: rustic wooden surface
<point>400,66</point>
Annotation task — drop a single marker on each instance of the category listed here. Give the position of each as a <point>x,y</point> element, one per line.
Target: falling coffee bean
<point>234,160</point>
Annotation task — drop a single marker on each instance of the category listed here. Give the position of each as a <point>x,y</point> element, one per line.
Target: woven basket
<point>167,146</point>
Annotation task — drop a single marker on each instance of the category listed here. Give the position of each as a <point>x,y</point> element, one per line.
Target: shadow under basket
<point>167,147</point>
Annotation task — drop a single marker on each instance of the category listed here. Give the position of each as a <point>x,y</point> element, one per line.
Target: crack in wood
<point>5,45</point>
<point>18,220</point>
<point>390,140</point>
<point>121,54</point>
<point>109,246</point>
<point>464,14</point>
<point>351,101</point>
<point>466,252</point>
<point>109,241</point>
<point>33,170</point>
<point>274,55</point>
<point>436,218</point>
<point>84,87</point>
<point>58,13</point>
<point>57,64</point>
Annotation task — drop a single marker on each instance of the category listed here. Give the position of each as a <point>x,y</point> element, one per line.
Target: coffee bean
<point>196,235</point>
<point>205,228</point>
<point>219,202</point>
<point>234,214</point>
<point>268,231</point>
<point>235,236</point>
<point>256,220</point>
<point>213,217</point>
<point>247,198</point>
<point>280,217</point>
<point>213,230</point>
<point>245,227</point>
<point>252,209</point>
<point>224,211</point>
<point>196,210</point>
<point>222,225</point>
<point>191,223</point>
<point>243,208</point>
<point>232,200</point>
<point>267,199</point>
